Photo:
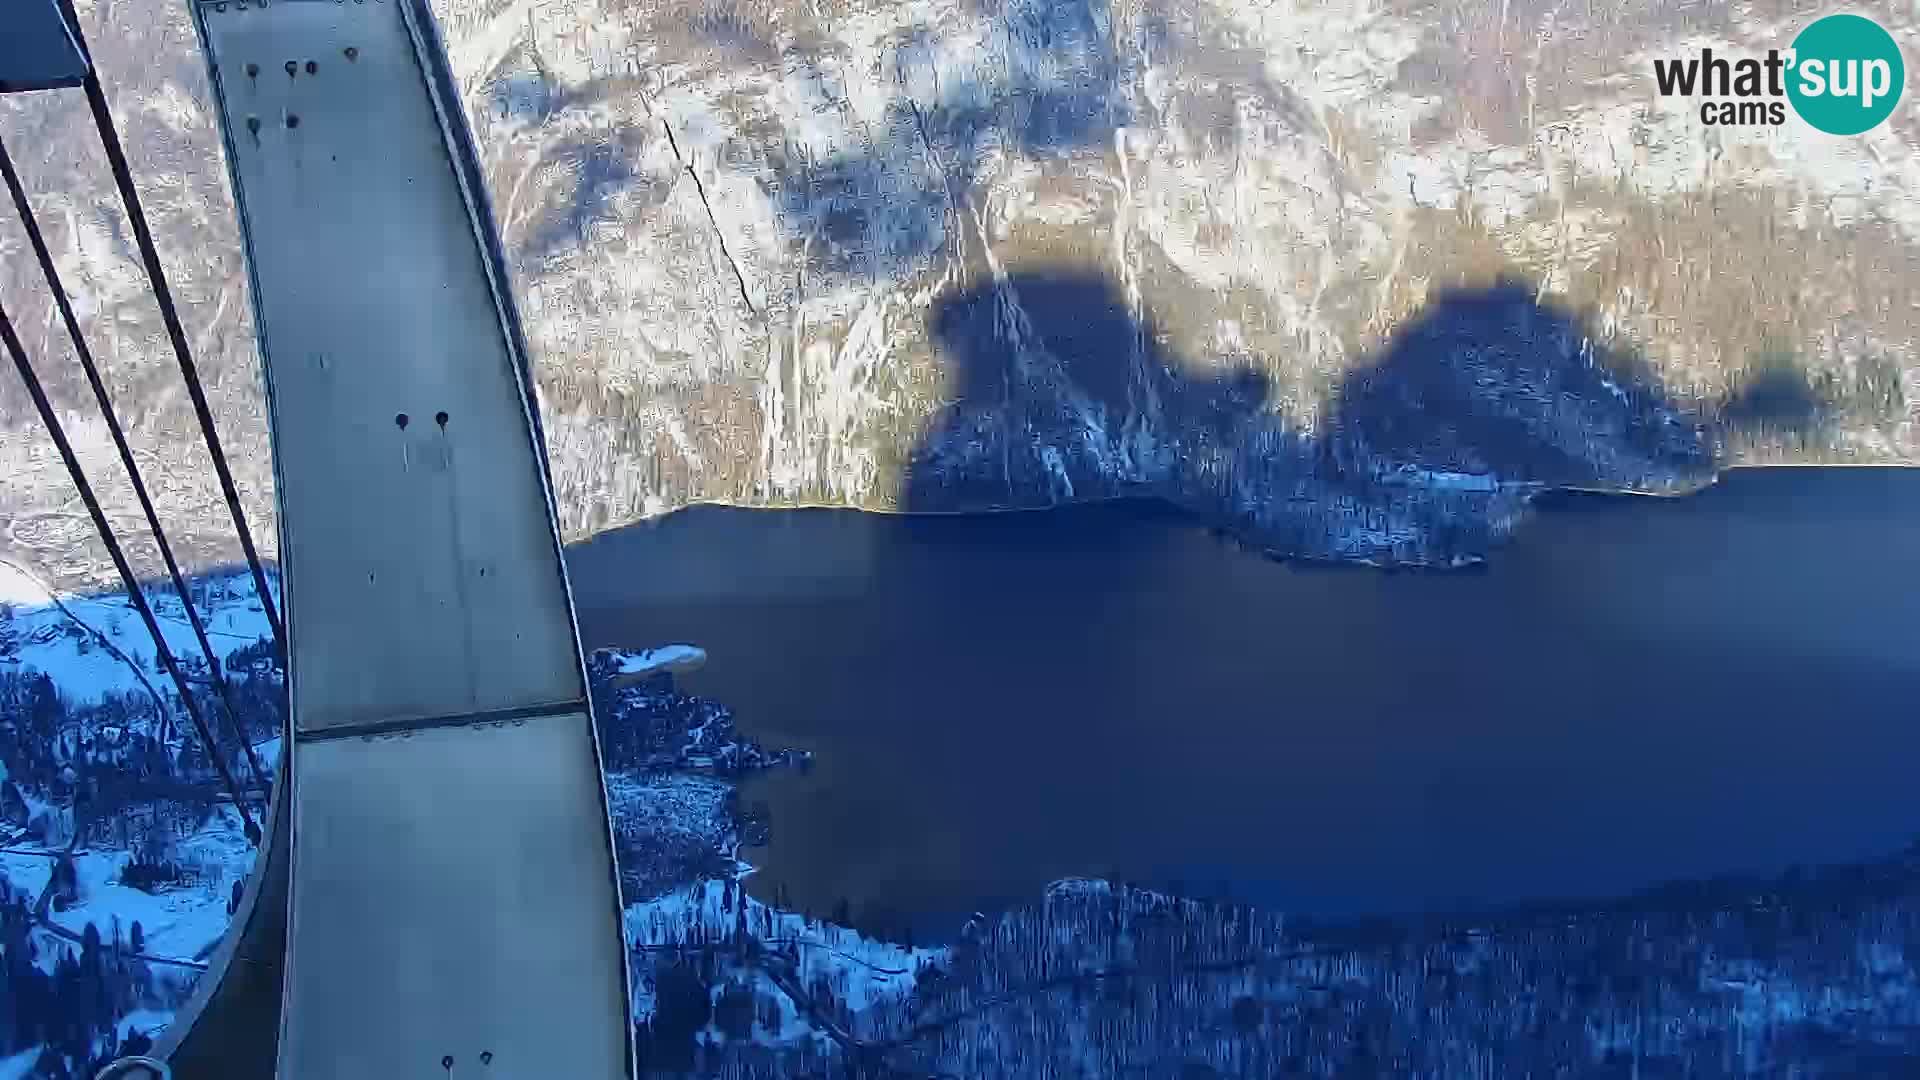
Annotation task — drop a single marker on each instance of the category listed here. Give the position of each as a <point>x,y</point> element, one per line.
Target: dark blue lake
<point>1636,690</point>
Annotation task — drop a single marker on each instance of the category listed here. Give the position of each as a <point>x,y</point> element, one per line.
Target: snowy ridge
<point>864,974</point>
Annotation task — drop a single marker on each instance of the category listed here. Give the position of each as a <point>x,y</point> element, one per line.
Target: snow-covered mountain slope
<point>957,254</point>
<point>90,645</point>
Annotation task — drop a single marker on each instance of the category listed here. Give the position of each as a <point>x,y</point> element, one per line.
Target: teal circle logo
<point>1847,74</point>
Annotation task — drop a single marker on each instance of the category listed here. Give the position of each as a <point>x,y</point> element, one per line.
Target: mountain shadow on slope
<point>1061,389</point>
<point>1495,381</point>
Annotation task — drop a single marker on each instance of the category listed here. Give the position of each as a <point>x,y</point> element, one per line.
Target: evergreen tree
<point>42,709</point>
<point>9,635</point>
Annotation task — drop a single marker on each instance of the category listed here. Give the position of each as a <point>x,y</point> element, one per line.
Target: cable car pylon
<point>436,890</point>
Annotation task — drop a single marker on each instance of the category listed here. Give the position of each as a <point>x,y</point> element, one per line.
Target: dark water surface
<point>1637,690</point>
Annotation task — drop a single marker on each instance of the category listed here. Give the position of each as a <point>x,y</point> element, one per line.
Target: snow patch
<point>20,1065</point>
<point>865,972</point>
<point>148,1022</point>
<point>634,664</point>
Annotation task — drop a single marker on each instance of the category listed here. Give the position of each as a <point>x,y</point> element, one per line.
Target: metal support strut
<point>134,592</point>
<point>157,277</point>
<point>52,276</point>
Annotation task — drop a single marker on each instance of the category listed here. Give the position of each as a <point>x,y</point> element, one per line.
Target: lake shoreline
<point>1248,539</point>
<point>1298,691</point>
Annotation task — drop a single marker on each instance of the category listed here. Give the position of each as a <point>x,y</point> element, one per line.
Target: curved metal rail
<point>440,866</point>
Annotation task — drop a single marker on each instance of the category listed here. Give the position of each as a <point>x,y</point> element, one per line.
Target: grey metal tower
<point>437,888</point>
